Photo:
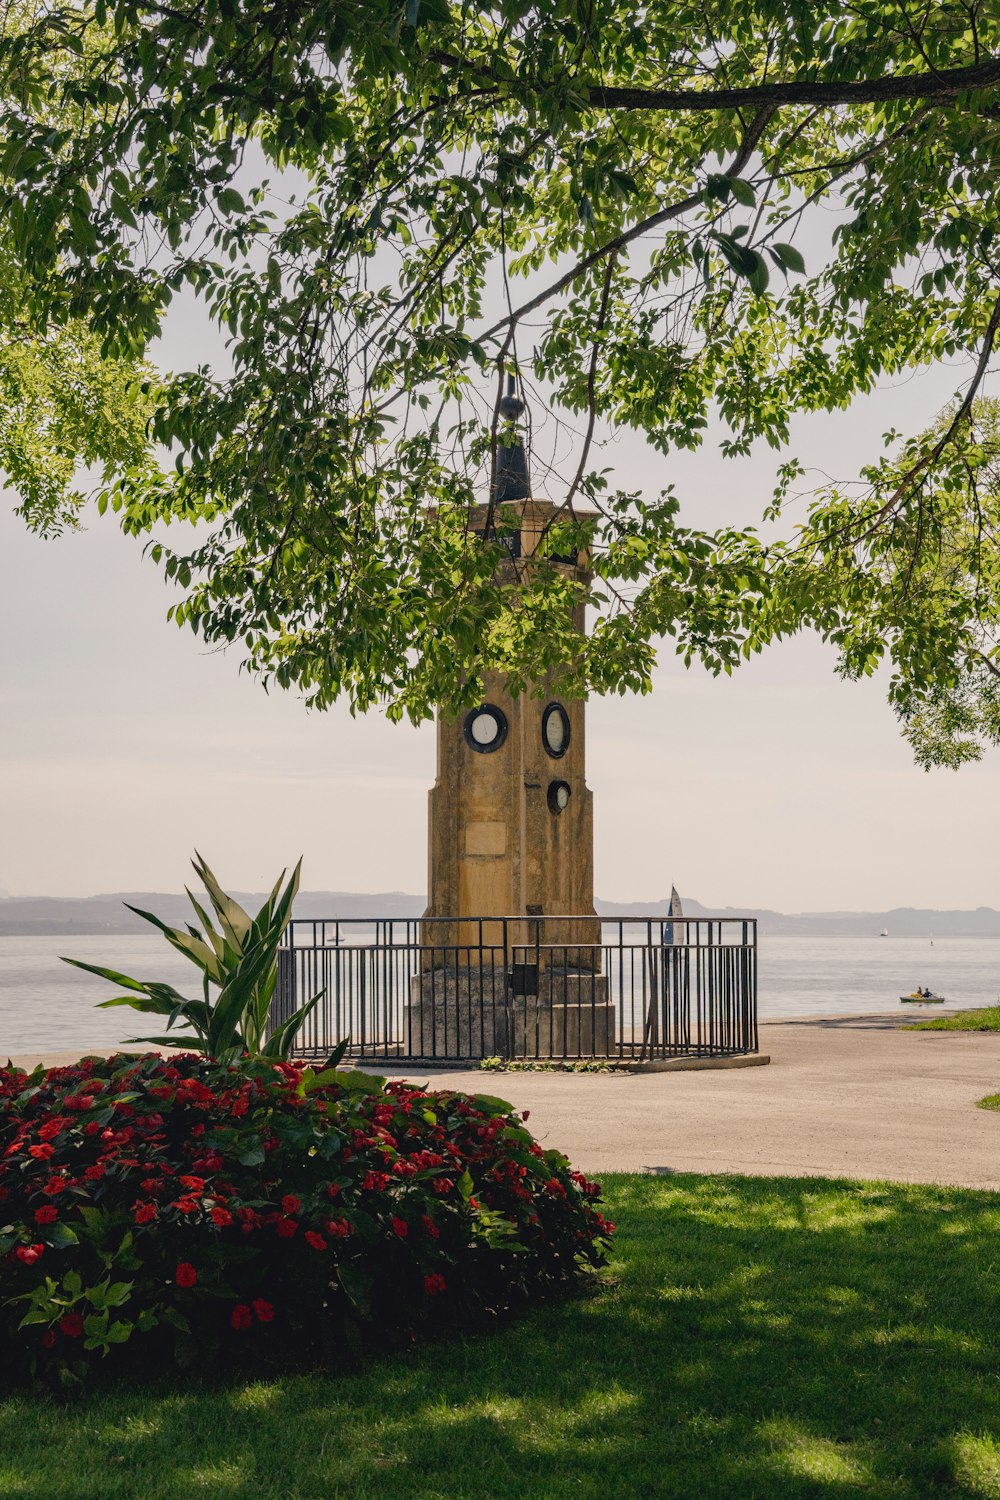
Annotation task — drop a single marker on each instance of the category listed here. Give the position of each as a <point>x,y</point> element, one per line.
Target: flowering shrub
<point>149,1201</point>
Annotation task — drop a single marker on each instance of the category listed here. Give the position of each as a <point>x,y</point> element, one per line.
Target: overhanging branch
<point>945,84</point>
<point>942,84</point>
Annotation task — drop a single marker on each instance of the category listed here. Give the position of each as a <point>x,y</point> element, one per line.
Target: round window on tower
<point>559,794</point>
<point>485,729</point>
<point>555,730</point>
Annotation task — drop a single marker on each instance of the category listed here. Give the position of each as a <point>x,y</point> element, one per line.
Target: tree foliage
<point>64,404</point>
<point>733,210</point>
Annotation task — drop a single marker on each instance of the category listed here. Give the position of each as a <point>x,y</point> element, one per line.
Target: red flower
<point>434,1283</point>
<point>71,1324</point>
<point>241,1317</point>
<point>442,1185</point>
<point>94,1172</point>
<point>400,1227</point>
<point>28,1254</point>
<point>48,1338</point>
<point>47,1214</point>
<point>248,1219</point>
<point>188,1204</point>
<point>144,1212</point>
<point>221,1217</point>
<point>263,1310</point>
<point>337,1229</point>
<point>333,1190</point>
<point>42,1153</point>
<point>286,1228</point>
<point>185,1275</point>
<point>430,1226</point>
<point>53,1186</point>
<point>376,1182</point>
<point>193,1184</point>
<point>291,1204</point>
<point>315,1240</point>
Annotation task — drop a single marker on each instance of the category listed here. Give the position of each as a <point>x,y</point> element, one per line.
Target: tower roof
<point>510,472</point>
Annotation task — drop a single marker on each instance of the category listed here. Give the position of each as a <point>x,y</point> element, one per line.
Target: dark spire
<point>510,478</point>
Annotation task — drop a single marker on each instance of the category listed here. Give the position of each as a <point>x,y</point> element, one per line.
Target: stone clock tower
<point>511,836</point>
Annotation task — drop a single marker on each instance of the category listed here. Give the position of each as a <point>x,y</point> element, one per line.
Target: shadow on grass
<point>758,1338</point>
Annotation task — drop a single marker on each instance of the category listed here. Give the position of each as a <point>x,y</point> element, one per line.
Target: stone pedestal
<point>572,1016</point>
<point>460,1013</point>
<point>471,1013</point>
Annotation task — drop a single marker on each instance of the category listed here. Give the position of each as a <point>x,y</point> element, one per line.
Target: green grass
<point>760,1339</point>
<point>992,1101</point>
<point>986,1019</point>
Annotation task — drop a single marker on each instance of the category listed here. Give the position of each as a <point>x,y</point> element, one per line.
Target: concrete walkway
<point>853,1097</point>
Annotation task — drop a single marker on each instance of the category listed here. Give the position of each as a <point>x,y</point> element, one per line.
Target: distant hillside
<point>901,921</point>
<point>26,916</point>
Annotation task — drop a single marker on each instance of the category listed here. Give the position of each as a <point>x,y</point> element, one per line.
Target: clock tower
<point>511,836</point>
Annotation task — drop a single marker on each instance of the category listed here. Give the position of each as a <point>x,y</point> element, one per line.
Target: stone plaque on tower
<point>511,847</point>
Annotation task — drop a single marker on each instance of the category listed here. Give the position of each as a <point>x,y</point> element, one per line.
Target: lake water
<point>45,1004</point>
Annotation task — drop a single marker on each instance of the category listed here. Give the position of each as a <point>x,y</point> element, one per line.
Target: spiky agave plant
<point>239,961</point>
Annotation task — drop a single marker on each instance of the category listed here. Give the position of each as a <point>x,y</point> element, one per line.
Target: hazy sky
<point>124,743</point>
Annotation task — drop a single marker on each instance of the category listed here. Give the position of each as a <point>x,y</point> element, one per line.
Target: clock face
<point>558,796</point>
<point>485,729</point>
<point>555,730</point>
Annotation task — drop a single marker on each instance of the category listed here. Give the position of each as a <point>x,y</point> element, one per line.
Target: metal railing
<point>520,988</point>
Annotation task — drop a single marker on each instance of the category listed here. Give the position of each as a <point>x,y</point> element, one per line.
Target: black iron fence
<point>564,988</point>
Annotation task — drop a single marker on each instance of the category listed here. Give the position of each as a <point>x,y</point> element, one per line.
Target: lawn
<point>987,1018</point>
<point>763,1338</point>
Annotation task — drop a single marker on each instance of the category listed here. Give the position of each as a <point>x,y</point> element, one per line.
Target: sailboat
<point>884,932</point>
<point>674,910</point>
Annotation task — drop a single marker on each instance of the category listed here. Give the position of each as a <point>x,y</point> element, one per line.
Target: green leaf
<point>789,257</point>
<point>742,192</point>
<point>357,1082</point>
<point>337,1055</point>
<point>60,1235</point>
<point>760,275</point>
<point>102,973</point>
<point>491,1105</point>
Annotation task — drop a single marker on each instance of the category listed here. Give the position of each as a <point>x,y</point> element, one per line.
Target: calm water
<point>45,1004</point>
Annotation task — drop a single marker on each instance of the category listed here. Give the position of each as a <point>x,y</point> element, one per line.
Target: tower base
<point>474,1013</point>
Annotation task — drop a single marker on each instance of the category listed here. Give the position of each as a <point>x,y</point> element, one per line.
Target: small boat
<point>918,999</point>
<point>884,932</point>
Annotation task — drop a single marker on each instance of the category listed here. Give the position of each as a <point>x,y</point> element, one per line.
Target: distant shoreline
<point>106,915</point>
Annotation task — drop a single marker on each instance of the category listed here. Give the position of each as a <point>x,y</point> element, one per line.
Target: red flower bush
<point>183,1203</point>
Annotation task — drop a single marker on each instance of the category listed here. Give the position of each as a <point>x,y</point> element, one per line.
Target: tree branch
<point>945,84</point>
<point>932,456</point>
<point>754,132</point>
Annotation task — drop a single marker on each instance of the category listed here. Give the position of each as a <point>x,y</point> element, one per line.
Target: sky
<point>125,744</point>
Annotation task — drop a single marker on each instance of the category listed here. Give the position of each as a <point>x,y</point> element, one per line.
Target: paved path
<point>852,1097</point>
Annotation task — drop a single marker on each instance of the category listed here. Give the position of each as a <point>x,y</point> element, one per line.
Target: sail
<point>674,910</point>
